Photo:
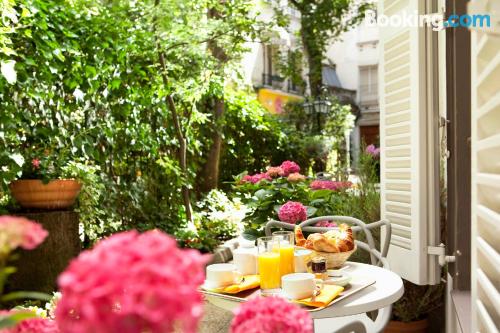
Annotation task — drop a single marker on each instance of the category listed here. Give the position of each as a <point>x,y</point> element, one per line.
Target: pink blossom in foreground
<point>36,163</point>
<point>254,179</point>
<point>274,171</point>
<point>20,232</point>
<point>329,185</point>
<point>130,283</point>
<point>296,177</point>
<point>373,151</point>
<point>326,224</point>
<point>289,167</point>
<point>292,212</point>
<point>32,325</point>
<point>270,315</point>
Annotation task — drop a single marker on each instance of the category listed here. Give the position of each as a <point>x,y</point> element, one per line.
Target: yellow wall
<point>275,100</point>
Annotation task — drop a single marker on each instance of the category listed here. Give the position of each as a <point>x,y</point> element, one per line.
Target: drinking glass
<point>269,264</point>
<point>286,251</point>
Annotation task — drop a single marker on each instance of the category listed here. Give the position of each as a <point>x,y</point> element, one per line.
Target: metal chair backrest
<point>377,258</point>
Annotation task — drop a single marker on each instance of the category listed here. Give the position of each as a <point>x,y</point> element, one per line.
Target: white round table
<point>386,290</point>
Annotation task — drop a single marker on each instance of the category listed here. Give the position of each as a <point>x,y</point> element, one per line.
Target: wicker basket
<point>334,260</point>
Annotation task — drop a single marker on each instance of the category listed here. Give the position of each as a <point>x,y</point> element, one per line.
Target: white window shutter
<point>485,169</point>
<point>409,166</point>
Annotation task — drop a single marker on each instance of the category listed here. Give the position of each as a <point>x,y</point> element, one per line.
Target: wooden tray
<point>356,284</point>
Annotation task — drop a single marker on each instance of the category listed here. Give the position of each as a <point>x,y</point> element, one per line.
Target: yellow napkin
<point>328,294</point>
<point>248,282</point>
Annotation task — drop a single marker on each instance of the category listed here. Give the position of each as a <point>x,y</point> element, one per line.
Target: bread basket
<point>334,260</point>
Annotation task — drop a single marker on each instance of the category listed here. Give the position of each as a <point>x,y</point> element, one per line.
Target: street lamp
<point>316,108</point>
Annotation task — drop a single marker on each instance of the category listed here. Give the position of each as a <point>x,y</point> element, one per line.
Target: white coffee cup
<point>300,285</point>
<point>221,275</point>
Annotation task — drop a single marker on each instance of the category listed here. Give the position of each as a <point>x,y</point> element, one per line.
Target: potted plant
<point>410,313</point>
<point>47,181</point>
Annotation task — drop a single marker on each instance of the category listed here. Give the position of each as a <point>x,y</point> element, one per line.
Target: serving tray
<point>357,284</point>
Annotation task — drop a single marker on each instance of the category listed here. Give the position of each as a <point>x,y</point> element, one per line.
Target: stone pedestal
<point>38,269</point>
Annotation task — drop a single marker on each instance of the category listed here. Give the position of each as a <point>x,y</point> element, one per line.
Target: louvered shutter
<point>409,169</point>
<point>485,169</point>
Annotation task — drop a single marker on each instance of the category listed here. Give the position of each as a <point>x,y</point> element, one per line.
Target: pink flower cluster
<point>131,283</point>
<point>296,177</point>
<point>254,179</point>
<point>20,232</point>
<point>36,163</point>
<point>270,315</point>
<point>326,224</point>
<point>292,212</point>
<point>329,185</point>
<point>289,167</point>
<point>286,169</point>
<point>32,325</point>
<point>274,172</point>
<point>373,151</point>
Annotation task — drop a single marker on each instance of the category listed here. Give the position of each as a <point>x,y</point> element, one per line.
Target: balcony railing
<point>274,81</point>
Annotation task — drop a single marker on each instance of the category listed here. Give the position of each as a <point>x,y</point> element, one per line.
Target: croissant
<point>299,237</point>
<point>333,241</point>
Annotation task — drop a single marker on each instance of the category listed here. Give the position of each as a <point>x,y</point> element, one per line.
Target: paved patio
<point>215,320</point>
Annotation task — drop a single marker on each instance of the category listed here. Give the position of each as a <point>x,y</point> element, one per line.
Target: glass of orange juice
<point>286,251</point>
<point>269,264</point>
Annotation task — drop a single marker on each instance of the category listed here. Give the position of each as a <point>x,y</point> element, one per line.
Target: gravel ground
<point>215,320</point>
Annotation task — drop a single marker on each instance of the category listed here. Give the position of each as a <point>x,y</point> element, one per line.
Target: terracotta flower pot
<point>419,326</point>
<point>57,194</point>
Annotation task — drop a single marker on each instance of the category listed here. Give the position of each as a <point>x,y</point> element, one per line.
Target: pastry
<point>333,241</point>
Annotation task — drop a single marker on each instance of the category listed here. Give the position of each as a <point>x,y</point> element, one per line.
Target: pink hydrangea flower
<point>274,171</point>
<point>296,177</point>
<point>254,179</point>
<point>131,283</point>
<point>20,232</point>
<point>270,315</point>
<point>329,185</point>
<point>289,167</point>
<point>36,163</point>
<point>32,325</point>
<point>292,212</point>
<point>373,151</point>
<point>326,224</point>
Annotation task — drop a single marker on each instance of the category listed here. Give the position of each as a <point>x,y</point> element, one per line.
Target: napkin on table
<point>327,294</point>
<point>247,282</point>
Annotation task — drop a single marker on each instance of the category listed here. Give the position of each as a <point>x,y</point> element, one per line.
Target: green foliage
<point>417,302</point>
<point>325,143</point>
<point>253,138</point>
<point>218,219</point>
<point>321,23</point>
<point>89,100</point>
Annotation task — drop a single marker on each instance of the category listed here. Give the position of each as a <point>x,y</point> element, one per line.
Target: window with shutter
<point>485,61</point>
<point>409,163</point>
<point>368,85</point>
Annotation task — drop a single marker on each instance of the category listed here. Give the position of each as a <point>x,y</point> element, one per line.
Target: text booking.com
<point>434,20</point>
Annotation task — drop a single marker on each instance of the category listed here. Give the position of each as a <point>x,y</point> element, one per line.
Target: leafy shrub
<point>254,138</point>
<point>218,218</point>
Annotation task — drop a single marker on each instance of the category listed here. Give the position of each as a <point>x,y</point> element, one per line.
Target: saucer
<point>342,280</point>
<point>211,287</point>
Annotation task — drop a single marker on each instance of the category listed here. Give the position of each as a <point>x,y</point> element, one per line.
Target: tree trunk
<point>182,153</point>
<point>211,169</point>
<point>314,55</point>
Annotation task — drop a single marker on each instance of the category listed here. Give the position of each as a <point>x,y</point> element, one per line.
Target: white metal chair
<point>362,323</point>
